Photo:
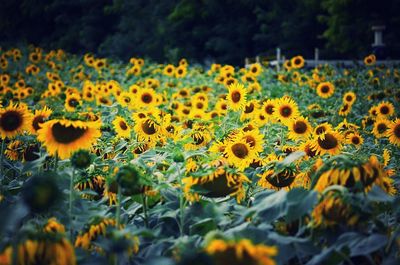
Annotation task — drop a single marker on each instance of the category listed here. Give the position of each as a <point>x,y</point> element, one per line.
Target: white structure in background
<point>378,36</point>
<point>378,43</point>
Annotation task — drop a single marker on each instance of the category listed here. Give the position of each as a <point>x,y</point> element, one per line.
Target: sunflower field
<point>105,162</point>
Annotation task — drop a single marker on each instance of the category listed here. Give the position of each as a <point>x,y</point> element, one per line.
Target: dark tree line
<point>222,30</point>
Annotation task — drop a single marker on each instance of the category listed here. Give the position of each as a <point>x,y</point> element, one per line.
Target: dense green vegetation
<point>224,31</point>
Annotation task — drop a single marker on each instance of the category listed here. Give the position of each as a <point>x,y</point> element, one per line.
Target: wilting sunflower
<point>385,109</point>
<point>63,137</point>
<point>239,154</point>
<point>365,173</point>
<point>381,127</point>
<point>355,139</point>
<point>349,97</point>
<point>325,89</point>
<point>14,120</point>
<point>333,210</point>
<point>393,132</point>
<point>241,252</point>
<point>218,183</point>
<point>49,250</point>
<point>147,130</point>
<point>329,142</point>
<point>277,180</point>
<point>236,97</point>
<point>286,110</point>
<point>121,127</point>
<point>297,62</point>
<point>299,129</point>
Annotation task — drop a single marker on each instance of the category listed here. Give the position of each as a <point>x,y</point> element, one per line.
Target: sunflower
<point>218,183</point>
<point>381,127</point>
<point>385,109</point>
<point>299,128</point>
<point>221,106</point>
<point>63,137</point>
<point>322,128</point>
<point>325,89</point>
<point>283,179</point>
<point>393,132</point>
<point>236,97</point>
<point>169,70</point>
<point>268,109</point>
<point>297,62</point>
<point>180,71</point>
<point>344,109</point>
<point>332,210</point>
<point>255,69</point>
<point>349,97</point>
<point>253,138</point>
<point>355,139</point>
<point>146,98</point>
<point>71,102</point>
<point>147,130</point>
<point>121,127</point>
<point>14,120</point>
<point>370,60</point>
<point>38,118</point>
<point>249,110</point>
<point>286,110</point>
<point>240,252</point>
<point>359,175</point>
<point>239,154</point>
<point>329,142</point>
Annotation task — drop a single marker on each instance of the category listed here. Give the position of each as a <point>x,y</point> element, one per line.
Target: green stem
<point>71,191</point>
<point>56,162</point>
<point>3,143</point>
<point>144,203</point>
<point>118,210</point>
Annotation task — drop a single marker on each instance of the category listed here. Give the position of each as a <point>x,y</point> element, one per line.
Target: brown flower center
<point>325,89</point>
<point>269,109</point>
<point>381,128</point>
<point>123,125</point>
<point>329,142</point>
<point>147,98</point>
<point>285,111</point>
<point>240,150</point>
<point>11,120</point>
<point>37,121</point>
<point>300,127</point>
<point>236,96</point>
<point>249,108</point>
<point>397,131</point>
<point>355,140</point>
<point>384,110</point>
<point>66,134</point>
<point>148,127</point>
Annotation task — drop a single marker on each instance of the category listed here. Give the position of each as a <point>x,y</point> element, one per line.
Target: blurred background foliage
<point>225,31</point>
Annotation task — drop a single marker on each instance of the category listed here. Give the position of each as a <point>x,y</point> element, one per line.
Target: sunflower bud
<point>129,179</point>
<point>41,192</point>
<point>81,159</point>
